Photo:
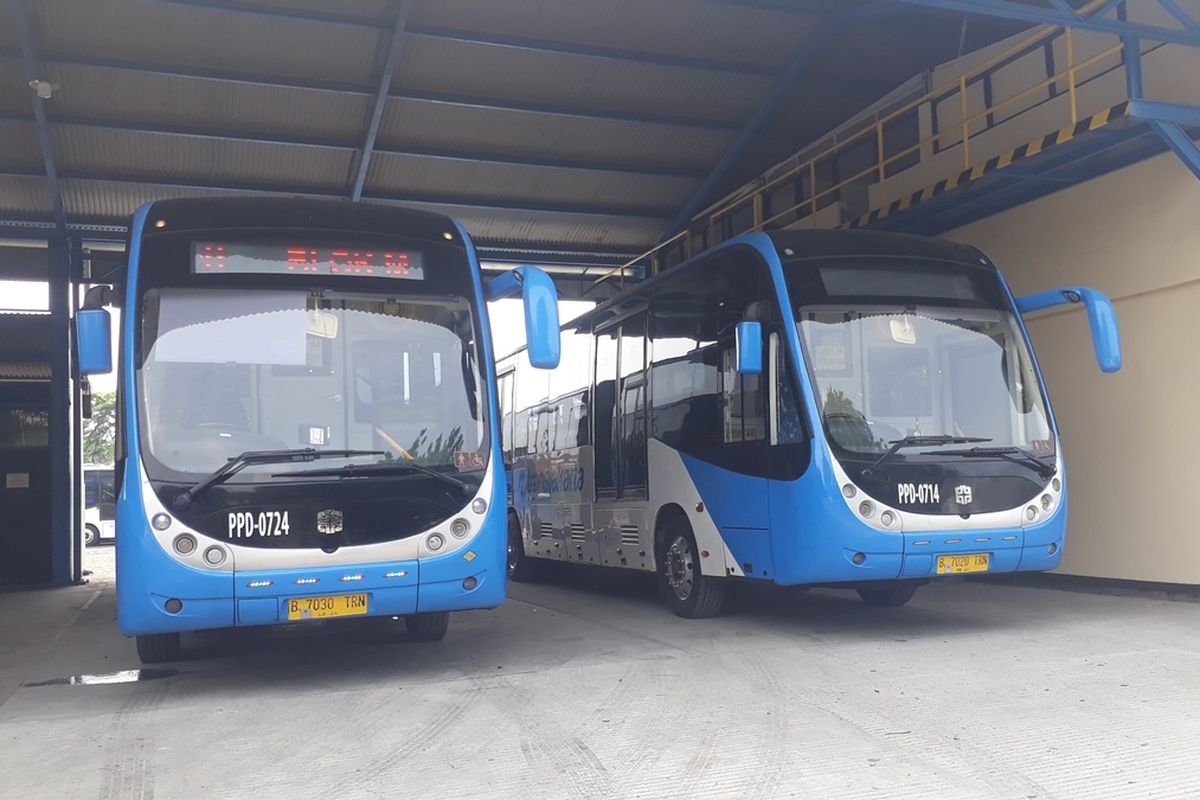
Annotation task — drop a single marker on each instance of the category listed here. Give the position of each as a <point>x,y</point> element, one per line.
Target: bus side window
<point>603,415</point>
<point>786,427</point>
<point>744,407</point>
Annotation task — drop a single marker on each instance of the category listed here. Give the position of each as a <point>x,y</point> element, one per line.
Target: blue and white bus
<point>850,409</point>
<point>307,419</point>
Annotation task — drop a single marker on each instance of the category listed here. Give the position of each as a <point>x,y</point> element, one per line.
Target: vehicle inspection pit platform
<point>572,690</point>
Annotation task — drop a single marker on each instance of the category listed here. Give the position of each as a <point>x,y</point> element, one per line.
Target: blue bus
<point>307,418</point>
<point>816,408</point>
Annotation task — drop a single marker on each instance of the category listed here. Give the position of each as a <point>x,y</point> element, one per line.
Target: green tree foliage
<point>100,432</point>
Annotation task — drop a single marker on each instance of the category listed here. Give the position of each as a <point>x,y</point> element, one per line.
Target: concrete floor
<point>578,690</point>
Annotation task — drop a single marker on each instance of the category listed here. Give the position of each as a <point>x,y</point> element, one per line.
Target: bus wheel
<point>156,648</point>
<point>888,596</point>
<point>521,568</point>
<point>690,593</point>
<point>90,535</point>
<point>429,627</point>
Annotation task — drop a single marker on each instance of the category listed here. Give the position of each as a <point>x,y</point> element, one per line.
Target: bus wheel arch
<point>688,591</point>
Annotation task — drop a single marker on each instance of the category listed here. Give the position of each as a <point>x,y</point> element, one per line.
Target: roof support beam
<point>395,48</point>
<point>440,201</point>
<point>1165,119</point>
<point>20,18</point>
<point>159,129</point>
<point>444,98</point>
<point>1009,9</point>
<point>701,197</point>
<point>475,37</point>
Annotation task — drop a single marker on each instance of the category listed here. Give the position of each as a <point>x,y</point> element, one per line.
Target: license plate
<point>966,562</point>
<point>336,605</point>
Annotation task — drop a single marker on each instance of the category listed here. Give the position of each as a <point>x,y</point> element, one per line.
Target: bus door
<point>621,463</point>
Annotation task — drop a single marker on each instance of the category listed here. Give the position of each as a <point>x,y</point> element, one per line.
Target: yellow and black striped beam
<point>967,176</point>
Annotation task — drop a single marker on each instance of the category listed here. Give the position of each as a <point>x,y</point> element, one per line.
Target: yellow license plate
<point>336,605</point>
<point>966,562</point>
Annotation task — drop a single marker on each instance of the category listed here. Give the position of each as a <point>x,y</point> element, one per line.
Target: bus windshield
<point>904,349</point>
<point>229,371</point>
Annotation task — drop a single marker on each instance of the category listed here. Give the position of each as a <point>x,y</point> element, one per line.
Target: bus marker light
<point>161,521</point>
<point>306,581</point>
<point>479,505</point>
<point>1009,538</point>
<point>173,606</point>
<point>399,573</point>
<point>469,555</point>
<point>447,236</point>
<point>259,584</point>
<point>214,556</point>
<point>859,558</point>
<point>470,583</point>
<point>160,223</point>
<point>704,554</point>
<point>185,544</point>
<point>1052,549</point>
<point>460,528</point>
<point>357,576</point>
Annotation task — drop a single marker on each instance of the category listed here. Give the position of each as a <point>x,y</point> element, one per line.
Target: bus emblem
<point>329,521</point>
<point>962,495</point>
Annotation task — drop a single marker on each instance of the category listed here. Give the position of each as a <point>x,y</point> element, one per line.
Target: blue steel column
<point>64,539</point>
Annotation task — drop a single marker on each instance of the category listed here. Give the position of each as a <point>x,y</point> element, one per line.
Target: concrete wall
<point>1131,440</point>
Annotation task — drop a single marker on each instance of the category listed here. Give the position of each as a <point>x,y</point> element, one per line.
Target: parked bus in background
<point>307,420</point>
<point>99,504</point>
<point>852,409</point>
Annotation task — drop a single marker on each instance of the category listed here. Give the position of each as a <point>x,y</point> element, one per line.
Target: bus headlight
<point>849,491</point>
<point>888,519</point>
<point>866,508</point>
<point>185,544</point>
<point>161,521</point>
<point>460,528</point>
<point>1047,501</point>
<point>1057,484</point>
<point>214,556</point>
<point>479,505</point>
<point>1031,513</point>
<point>435,541</point>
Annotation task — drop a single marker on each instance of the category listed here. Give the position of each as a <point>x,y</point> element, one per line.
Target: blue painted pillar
<point>64,444</point>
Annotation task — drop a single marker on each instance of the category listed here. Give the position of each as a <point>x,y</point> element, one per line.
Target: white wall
<point>1131,440</point>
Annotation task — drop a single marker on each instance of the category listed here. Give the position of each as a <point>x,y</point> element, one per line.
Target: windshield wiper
<point>250,457</point>
<point>1013,454</point>
<point>922,441</point>
<point>378,468</point>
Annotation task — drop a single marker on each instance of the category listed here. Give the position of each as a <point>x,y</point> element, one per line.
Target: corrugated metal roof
<point>600,84</point>
<point>514,184</point>
<point>425,123</point>
<point>741,32</point>
<point>564,124</point>
<point>24,371</point>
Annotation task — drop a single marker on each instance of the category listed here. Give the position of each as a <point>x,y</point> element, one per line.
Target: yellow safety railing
<point>879,169</point>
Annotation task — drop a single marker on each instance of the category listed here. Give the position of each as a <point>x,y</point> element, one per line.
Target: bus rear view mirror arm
<point>541,311</point>
<point>1102,319</point>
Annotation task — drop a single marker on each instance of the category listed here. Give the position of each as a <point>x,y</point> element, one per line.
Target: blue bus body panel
<point>806,532</point>
<point>148,576</point>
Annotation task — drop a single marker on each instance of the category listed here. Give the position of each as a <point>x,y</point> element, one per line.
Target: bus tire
<point>888,596</point>
<point>521,568</point>
<point>428,627</point>
<point>91,536</point>
<point>690,593</point>
<point>155,648</point>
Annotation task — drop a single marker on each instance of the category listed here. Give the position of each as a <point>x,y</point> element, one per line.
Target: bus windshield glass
<point>898,348</point>
<point>224,372</point>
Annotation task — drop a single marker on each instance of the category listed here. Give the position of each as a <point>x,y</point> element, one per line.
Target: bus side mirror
<point>1102,319</point>
<point>93,330</point>
<point>749,345</point>
<point>541,311</point>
